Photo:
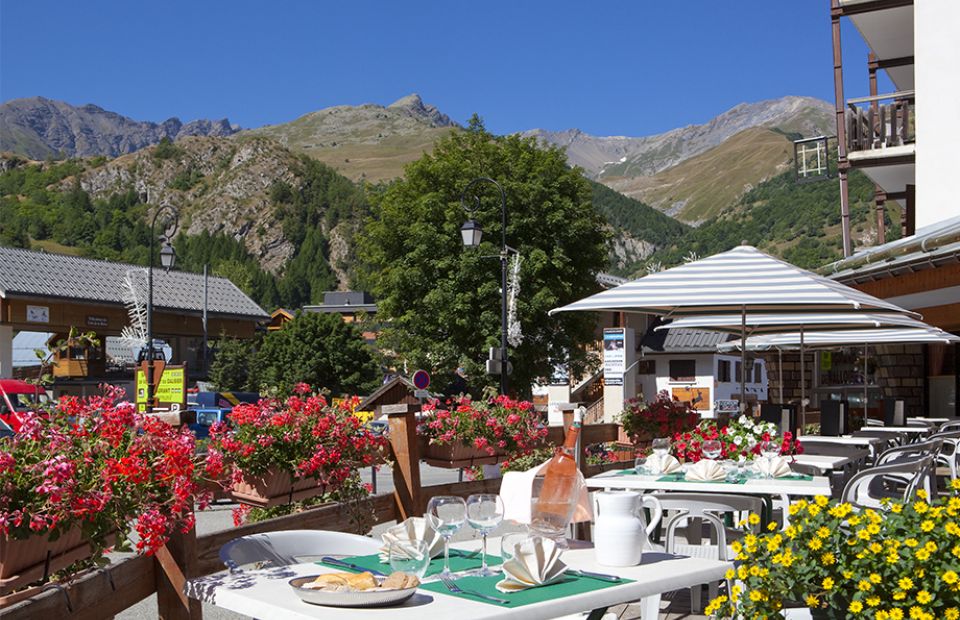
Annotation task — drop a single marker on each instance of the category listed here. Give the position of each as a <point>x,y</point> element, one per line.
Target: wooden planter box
<point>455,456</point>
<point>25,561</point>
<point>273,489</point>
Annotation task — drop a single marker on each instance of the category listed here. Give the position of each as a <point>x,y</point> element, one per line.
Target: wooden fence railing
<point>104,592</point>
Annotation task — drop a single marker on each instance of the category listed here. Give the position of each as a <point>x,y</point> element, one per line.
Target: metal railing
<point>872,124</point>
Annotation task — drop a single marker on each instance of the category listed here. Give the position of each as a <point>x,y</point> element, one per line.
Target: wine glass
<point>552,506</point>
<point>640,464</point>
<point>509,543</point>
<point>711,449</point>
<point>661,446</point>
<point>446,514</point>
<point>410,556</point>
<point>484,514</point>
<point>770,449</point>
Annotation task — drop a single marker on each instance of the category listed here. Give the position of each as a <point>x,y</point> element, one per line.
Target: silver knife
<point>592,575</point>
<point>351,566</point>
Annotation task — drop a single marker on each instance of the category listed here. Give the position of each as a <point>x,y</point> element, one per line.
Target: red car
<point>16,398</point>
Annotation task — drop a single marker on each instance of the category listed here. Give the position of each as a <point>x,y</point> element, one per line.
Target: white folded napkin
<point>414,528</point>
<point>516,490</point>
<point>706,470</point>
<point>666,464</point>
<point>775,467</point>
<point>536,562</point>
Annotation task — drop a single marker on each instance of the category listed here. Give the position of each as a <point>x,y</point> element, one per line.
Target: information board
<point>170,392</point>
<point>614,355</point>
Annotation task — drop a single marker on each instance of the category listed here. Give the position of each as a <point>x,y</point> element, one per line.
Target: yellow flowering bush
<point>900,562</point>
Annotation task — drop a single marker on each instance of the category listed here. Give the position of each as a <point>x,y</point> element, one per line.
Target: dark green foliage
<point>640,220</point>
<point>166,149</point>
<point>777,211</point>
<point>230,368</point>
<point>321,350</point>
<point>439,301</point>
<point>186,179</point>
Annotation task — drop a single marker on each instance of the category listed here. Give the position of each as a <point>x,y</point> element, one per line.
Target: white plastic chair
<point>293,547</point>
<point>897,480</point>
<point>708,507</point>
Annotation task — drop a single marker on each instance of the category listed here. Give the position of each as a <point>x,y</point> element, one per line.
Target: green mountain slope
<point>799,222</point>
<point>702,186</point>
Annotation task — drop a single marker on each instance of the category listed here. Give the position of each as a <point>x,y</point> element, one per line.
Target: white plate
<point>361,598</point>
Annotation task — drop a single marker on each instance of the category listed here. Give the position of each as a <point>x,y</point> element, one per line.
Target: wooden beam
<point>402,421</point>
<point>889,63</point>
<point>177,562</point>
<point>866,7</point>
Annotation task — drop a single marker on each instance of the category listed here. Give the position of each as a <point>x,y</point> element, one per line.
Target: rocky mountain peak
<point>414,106</point>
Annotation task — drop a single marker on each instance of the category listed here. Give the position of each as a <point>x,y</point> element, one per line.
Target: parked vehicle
<point>16,398</point>
<point>213,407</point>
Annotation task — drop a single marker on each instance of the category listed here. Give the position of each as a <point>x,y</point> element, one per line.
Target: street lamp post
<point>471,233</point>
<point>167,258</point>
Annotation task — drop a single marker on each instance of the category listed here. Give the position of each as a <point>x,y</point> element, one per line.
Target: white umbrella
<point>833,339</point>
<point>735,281</point>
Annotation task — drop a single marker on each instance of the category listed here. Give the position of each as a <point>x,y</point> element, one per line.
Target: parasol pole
<point>865,392</point>
<point>803,383</point>
<point>743,358</point>
<point>780,371</point>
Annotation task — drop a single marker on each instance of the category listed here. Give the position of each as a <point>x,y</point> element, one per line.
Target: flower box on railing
<point>273,489</point>
<point>23,561</point>
<point>457,455</point>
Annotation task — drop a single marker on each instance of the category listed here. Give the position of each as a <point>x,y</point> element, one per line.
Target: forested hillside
<point>800,222</point>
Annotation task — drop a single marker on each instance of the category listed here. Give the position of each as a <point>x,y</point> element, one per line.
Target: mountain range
<point>39,128</point>
<point>251,185</point>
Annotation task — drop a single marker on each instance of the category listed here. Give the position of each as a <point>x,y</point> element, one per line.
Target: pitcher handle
<point>651,501</point>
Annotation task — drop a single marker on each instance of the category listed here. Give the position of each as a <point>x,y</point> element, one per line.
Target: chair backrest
<point>950,426</point>
<point>893,412</point>
<point>919,448</point>
<point>803,468</point>
<point>899,480</point>
<point>922,423</point>
<point>892,439</point>
<point>706,506</point>
<point>831,418</point>
<point>292,547</point>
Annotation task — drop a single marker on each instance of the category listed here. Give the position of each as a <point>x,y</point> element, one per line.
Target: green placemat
<point>568,586</point>
<point>680,477</point>
<point>459,561</point>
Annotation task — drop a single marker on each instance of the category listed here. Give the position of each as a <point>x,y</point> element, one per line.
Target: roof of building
<point>345,302</point>
<point>25,273</point>
<point>682,341</point>
<point>930,247</point>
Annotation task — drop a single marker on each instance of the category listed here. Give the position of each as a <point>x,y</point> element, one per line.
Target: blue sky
<point>628,68</point>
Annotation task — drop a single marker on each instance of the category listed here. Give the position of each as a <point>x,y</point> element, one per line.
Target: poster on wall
<point>614,356</point>
<point>698,397</point>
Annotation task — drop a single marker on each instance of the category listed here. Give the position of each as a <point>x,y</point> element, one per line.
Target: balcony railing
<point>881,121</point>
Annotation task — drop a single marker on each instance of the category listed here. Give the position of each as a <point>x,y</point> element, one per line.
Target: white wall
<point>937,74</point>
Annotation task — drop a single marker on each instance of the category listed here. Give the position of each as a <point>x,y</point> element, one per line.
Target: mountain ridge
<point>39,128</point>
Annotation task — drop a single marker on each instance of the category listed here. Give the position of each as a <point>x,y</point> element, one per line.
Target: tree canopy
<point>319,349</point>
<point>440,302</point>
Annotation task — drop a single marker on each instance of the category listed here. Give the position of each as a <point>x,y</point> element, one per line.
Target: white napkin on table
<point>776,467</point>
<point>414,528</point>
<point>516,490</point>
<point>666,464</point>
<point>706,470</point>
<point>536,562</point>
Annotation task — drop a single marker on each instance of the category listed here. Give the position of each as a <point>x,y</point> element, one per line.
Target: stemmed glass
<point>770,449</point>
<point>661,448</point>
<point>484,514</point>
<point>446,514</point>
<point>711,449</point>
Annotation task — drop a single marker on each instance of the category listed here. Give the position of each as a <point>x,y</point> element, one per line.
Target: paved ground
<point>219,518</point>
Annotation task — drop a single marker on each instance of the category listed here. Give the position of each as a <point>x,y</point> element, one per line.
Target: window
<point>723,371</point>
<point>757,372</point>
<point>683,370</point>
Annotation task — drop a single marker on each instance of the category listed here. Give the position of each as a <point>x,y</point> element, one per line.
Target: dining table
<point>265,593</point>
<point>867,443</point>
<point>827,463</point>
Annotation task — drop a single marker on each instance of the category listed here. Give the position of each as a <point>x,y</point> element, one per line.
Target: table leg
<point>597,614</point>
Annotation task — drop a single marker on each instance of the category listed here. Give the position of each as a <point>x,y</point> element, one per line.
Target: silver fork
<point>453,587</point>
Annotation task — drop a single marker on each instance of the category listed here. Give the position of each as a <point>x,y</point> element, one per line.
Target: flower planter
<point>455,456</point>
<point>273,489</point>
<point>25,561</point>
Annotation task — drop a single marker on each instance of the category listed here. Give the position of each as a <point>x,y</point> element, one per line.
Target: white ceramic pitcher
<point>620,533</point>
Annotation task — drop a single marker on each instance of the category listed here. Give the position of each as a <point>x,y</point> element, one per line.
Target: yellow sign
<point>698,397</point>
<point>170,390</point>
<point>826,360</point>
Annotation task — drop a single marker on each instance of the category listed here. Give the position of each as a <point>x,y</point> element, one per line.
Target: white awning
<point>791,322</point>
<point>851,337</point>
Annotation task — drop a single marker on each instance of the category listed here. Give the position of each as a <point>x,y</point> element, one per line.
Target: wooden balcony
<point>881,127</point>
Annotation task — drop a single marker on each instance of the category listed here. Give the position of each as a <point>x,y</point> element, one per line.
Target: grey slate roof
<point>683,341</point>
<point>26,273</point>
